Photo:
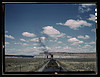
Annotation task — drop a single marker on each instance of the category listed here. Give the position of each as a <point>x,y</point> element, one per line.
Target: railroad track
<point>53,66</point>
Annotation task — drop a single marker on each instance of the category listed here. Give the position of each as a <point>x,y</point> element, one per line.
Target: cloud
<point>87,46</point>
<point>67,47</point>
<point>58,47</point>
<point>27,34</point>
<point>35,39</point>
<point>36,50</point>
<point>85,8</point>
<point>93,30</point>
<point>87,5</point>
<point>79,17</point>
<point>53,40</point>
<point>92,17</point>
<point>43,39</point>
<point>25,44</point>
<point>84,37</point>
<point>9,36</point>
<point>6,31</point>
<point>75,24</point>
<point>7,43</point>
<point>18,43</point>
<point>59,42</point>
<point>35,44</point>
<point>22,40</point>
<point>24,51</point>
<point>92,42</point>
<point>52,32</point>
<point>69,36</point>
<point>75,41</point>
<point>59,23</point>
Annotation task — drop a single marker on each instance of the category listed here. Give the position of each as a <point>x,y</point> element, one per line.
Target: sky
<point>31,28</point>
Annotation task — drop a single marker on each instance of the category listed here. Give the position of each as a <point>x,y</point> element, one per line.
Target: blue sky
<point>61,27</point>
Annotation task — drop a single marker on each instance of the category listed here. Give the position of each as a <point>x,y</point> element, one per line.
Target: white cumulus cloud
<point>7,43</point>
<point>35,44</point>
<point>6,31</point>
<point>59,23</point>
<point>93,30</point>
<point>85,7</point>
<point>59,42</point>
<point>92,42</point>
<point>87,46</point>
<point>27,34</point>
<point>9,36</point>
<point>35,39</point>
<point>75,24</point>
<point>84,37</point>
<point>43,39</point>
<point>75,41</point>
<point>92,17</point>
<point>66,47</point>
<point>69,36</point>
<point>18,43</point>
<point>52,32</point>
<point>25,44</point>
<point>22,39</point>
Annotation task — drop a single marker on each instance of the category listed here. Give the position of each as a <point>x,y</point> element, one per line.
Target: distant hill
<point>19,56</point>
<point>67,55</point>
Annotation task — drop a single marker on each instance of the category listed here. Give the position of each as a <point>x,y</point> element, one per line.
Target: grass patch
<point>24,64</point>
<point>78,65</point>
